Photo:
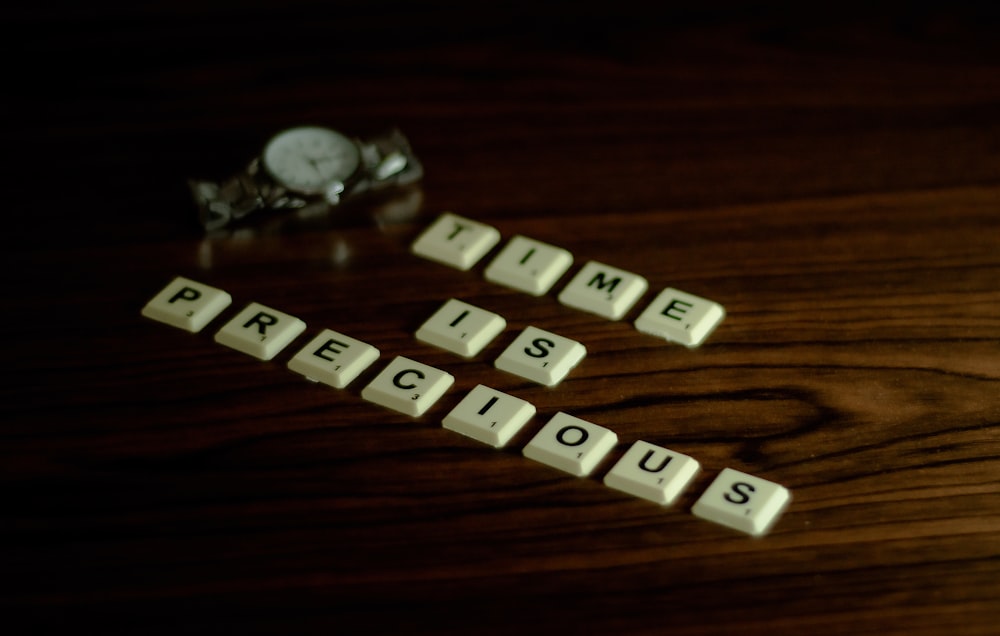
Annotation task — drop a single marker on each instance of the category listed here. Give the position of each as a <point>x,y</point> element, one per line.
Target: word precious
<point>735,499</point>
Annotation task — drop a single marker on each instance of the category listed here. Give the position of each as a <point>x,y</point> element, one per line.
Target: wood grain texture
<point>833,180</point>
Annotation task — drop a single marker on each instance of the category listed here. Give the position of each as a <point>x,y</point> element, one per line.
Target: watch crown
<point>333,192</point>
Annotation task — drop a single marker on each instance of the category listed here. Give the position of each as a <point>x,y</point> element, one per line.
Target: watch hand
<point>315,165</point>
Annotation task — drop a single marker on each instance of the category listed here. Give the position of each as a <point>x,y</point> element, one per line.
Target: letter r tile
<point>260,331</point>
<point>187,305</point>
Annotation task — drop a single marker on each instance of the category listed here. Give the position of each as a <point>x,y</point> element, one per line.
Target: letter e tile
<point>333,358</point>
<point>677,316</point>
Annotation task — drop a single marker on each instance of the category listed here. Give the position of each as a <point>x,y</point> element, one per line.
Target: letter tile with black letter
<point>603,290</point>
<point>408,386</point>
<point>456,241</point>
<point>489,416</point>
<point>260,331</point>
<point>742,502</point>
<point>652,472</point>
<point>541,356</point>
<point>333,358</point>
<point>187,305</point>
<point>680,317</point>
<point>571,444</point>
<point>461,328</point>
<point>528,265</point>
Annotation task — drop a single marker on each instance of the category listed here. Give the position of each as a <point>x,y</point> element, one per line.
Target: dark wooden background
<point>830,175</point>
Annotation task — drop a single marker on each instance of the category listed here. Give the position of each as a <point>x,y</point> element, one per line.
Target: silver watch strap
<point>390,160</point>
<point>221,203</point>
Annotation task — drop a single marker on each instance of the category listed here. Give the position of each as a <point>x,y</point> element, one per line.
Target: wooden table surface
<point>831,178</point>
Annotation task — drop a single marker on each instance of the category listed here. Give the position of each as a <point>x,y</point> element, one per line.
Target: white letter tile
<point>333,358</point>
<point>461,328</point>
<point>489,416</point>
<point>456,241</point>
<point>408,386</point>
<point>742,502</point>
<point>571,444</point>
<point>541,356</point>
<point>187,305</point>
<point>260,331</point>
<point>652,472</point>
<point>677,316</point>
<point>528,265</point>
<point>603,290</point>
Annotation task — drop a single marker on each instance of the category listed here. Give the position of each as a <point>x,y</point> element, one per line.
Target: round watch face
<point>310,159</point>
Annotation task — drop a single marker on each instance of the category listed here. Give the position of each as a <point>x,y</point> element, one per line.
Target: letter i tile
<point>528,265</point>
<point>461,328</point>
<point>570,444</point>
<point>742,502</point>
<point>489,416</point>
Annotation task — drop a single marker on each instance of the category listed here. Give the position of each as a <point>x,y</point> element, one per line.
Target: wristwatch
<point>304,166</point>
